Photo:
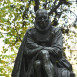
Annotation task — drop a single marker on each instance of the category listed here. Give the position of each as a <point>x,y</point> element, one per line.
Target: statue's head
<point>42,18</point>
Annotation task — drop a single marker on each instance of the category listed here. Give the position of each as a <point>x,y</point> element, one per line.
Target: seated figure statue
<point>41,51</point>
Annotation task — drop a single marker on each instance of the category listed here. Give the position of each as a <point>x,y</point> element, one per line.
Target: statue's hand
<point>47,48</point>
<point>50,49</point>
<point>43,54</point>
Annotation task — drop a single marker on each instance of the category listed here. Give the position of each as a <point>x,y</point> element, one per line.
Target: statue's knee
<point>37,63</point>
<point>66,73</point>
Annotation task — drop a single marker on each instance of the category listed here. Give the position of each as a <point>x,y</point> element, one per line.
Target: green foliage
<point>11,26</point>
<point>15,18</point>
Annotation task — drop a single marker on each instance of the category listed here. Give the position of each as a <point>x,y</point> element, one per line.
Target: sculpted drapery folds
<point>41,51</point>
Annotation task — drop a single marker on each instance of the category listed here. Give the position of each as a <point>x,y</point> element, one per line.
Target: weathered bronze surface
<point>41,51</point>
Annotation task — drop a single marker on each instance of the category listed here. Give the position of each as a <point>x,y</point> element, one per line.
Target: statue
<point>41,51</point>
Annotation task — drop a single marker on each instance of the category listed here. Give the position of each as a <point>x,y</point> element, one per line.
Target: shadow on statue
<point>41,51</point>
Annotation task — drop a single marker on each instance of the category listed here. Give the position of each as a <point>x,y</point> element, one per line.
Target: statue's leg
<point>37,67</point>
<point>47,65</point>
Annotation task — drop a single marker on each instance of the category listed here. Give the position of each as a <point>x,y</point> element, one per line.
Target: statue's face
<point>42,19</point>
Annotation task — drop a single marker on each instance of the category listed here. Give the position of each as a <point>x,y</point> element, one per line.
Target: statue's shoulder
<point>30,30</point>
<point>55,29</point>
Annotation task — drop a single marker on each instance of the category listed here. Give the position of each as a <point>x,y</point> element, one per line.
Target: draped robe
<point>32,43</point>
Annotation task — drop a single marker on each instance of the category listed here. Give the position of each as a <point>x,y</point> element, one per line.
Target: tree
<point>17,16</point>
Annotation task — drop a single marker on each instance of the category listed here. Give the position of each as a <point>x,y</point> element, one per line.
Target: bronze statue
<point>41,51</point>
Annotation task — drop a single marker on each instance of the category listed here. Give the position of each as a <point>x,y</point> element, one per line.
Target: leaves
<point>1,35</point>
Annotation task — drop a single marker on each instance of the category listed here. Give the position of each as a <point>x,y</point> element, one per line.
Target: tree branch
<point>54,2</point>
<point>25,12</point>
<point>36,7</point>
<point>55,8</point>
